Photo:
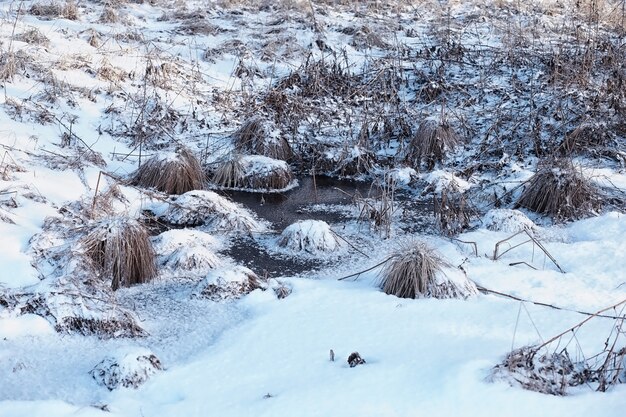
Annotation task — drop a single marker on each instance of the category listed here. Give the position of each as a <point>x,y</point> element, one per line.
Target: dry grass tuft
<point>54,10</point>
<point>595,139</point>
<point>256,136</point>
<point>559,190</point>
<point>416,271</point>
<point>230,173</point>
<point>109,15</point>
<point>175,173</point>
<point>430,143</point>
<point>33,36</point>
<point>121,249</point>
<point>253,172</point>
<point>8,66</point>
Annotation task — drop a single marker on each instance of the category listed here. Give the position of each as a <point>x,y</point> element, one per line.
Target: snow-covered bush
<point>210,210</point>
<point>229,283</point>
<point>417,271</point>
<point>312,236</point>
<point>127,368</point>
<point>259,136</point>
<point>171,172</point>
<point>121,250</point>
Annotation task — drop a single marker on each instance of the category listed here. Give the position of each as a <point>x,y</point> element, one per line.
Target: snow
<point>25,325</point>
<point>228,345</point>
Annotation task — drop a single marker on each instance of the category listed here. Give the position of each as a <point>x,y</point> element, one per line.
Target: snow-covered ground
<point>92,89</point>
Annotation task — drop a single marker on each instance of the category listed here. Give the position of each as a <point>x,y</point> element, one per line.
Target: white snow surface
<point>259,355</point>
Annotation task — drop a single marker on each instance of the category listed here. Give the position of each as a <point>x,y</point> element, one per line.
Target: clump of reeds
<point>417,271</point>
<point>33,36</point>
<point>256,136</point>
<point>253,172</point>
<point>121,250</point>
<point>559,190</point>
<point>229,173</point>
<point>175,173</point>
<point>430,143</point>
<point>109,15</point>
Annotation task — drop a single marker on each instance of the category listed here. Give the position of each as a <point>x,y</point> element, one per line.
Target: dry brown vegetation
<point>55,10</point>
<point>172,174</point>
<point>255,137</point>
<point>121,250</point>
<point>417,271</point>
<point>430,143</point>
<point>559,189</point>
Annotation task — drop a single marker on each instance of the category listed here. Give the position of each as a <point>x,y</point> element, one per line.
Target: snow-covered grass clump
<point>229,283</point>
<point>128,368</point>
<point>121,250</point>
<point>440,180</point>
<point>418,271</point>
<point>558,189</point>
<point>254,173</point>
<point>211,211</point>
<point>259,136</point>
<point>184,251</point>
<point>506,220</point>
<point>309,236</point>
<point>171,172</point>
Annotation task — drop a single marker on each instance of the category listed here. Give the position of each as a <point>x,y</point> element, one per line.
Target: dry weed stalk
<point>453,211</point>
<point>559,190</point>
<point>121,250</point>
<point>417,271</point>
<point>549,369</point>
<point>172,174</point>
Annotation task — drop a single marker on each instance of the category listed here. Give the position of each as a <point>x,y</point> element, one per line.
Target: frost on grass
<point>212,211</point>
<point>417,271</point>
<point>346,161</point>
<point>255,173</point>
<point>310,236</point>
<point>187,251</point>
<point>230,283</point>
<point>128,368</point>
<point>509,221</point>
